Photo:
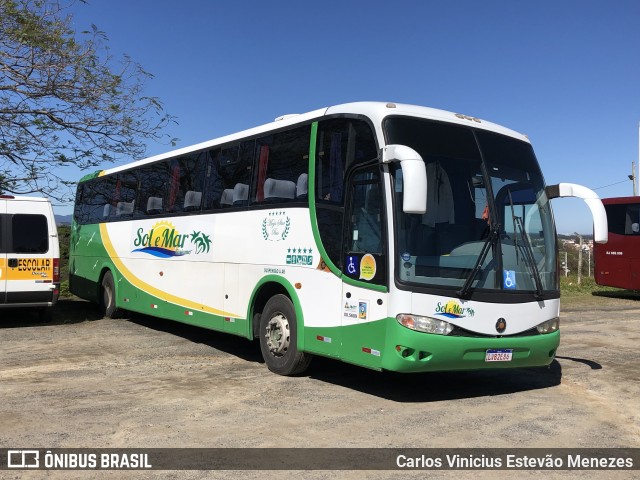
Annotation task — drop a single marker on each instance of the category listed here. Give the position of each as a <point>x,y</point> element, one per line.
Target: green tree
<point>65,100</point>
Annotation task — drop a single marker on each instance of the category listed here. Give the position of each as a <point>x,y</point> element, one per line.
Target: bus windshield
<point>488,224</point>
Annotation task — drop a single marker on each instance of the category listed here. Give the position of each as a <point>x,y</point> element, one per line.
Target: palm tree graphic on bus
<point>201,241</point>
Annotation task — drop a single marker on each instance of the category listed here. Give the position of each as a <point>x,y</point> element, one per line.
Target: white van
<point>29,254</point>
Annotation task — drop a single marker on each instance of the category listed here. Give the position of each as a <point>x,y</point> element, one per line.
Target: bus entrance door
<point>364,271</point>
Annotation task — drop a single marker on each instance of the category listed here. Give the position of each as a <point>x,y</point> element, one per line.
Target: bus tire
<point>108,297</point>
<point>279,336</point>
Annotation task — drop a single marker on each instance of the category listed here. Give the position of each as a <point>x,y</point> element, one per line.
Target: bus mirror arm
<point>414,176</point>
<point>600,227</point>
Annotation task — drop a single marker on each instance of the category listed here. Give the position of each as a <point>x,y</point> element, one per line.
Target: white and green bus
<point>390,236</point>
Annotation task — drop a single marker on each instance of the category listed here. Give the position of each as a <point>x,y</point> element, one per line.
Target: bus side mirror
<point>600,227</point>
<point>414,176</point>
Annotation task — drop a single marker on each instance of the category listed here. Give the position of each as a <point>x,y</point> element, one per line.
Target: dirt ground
<point>85,381</point>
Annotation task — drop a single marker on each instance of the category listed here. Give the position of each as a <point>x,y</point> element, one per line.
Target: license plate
<point>498,355</point>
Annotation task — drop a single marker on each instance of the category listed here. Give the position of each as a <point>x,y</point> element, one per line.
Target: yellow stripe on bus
<point>150,289</point>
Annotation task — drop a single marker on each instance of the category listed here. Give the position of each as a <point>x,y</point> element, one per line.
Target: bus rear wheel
<point>279,337</point>
<point>108,299</point>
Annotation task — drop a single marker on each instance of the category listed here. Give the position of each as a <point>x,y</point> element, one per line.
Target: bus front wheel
<point>278,338</point>
<point>108,300</point>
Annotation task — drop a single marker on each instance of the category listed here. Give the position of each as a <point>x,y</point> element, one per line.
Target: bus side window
<point>174,174</point>
<point>632,226</point>
<point>616,218</point>
<point>153,181</point>
<point>80,209</point>
<point>341,143</point>
<point>97,200</point>
<point>228,176</point>
<point>125,195</point>
<point>282,160</point>
<point>187,182</point>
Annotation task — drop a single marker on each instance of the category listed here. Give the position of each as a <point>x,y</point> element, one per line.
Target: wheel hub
<point>278,335</point>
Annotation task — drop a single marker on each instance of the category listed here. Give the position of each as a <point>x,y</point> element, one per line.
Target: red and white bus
<point>617,263</point>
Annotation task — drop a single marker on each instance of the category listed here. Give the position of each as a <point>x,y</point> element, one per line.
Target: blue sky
<point>565,73</point>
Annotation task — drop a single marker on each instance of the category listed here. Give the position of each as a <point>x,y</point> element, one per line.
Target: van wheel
<point>108,299</point>
<point>279,336</point>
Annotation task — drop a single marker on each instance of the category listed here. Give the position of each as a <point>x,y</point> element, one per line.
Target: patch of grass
<point>589,295</point>
<point>588,286</point>
<point>64,289</point>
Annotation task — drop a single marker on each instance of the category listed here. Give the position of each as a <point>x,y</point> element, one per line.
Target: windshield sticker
<point>509,282</point>
<point>276,226</point>
<point>367,267</point>
<point>453,309</point>
<point>163,240</point>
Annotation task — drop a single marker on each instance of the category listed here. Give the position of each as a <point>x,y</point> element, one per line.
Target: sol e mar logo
<point>453,309</point>
<point>163,240</point>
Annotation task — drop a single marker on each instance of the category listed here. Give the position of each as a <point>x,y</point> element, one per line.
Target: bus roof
<point>375,111</point>
<point>621,200</point>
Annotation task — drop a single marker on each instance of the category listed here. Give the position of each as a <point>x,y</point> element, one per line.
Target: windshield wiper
<point>488,244</point>
<point>528,249</point>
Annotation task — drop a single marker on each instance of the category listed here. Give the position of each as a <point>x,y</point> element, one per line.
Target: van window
<point>30,234</point>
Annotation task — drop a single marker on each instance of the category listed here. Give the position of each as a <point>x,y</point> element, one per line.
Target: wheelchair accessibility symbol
<point>509,279</point>
<point>352,265</point>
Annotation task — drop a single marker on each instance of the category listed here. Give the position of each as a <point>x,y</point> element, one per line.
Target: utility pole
<point>633,177</point>
<point>579,258</point>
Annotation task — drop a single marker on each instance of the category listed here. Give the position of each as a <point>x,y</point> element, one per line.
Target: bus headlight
<point>424,324</point>
<point>549,326</point>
